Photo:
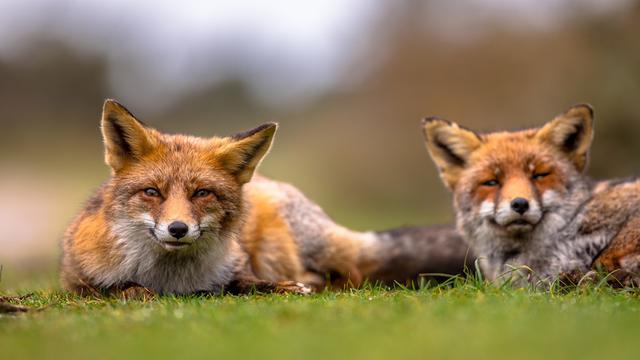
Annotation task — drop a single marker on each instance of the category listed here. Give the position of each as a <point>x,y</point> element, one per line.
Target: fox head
<point>514,184</point>
<point>173,190</point>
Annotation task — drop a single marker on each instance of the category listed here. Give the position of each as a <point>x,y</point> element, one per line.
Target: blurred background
<point>348,80</point>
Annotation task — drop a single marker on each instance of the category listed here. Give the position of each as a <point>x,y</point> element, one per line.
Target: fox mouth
<point>519,222</point>
<point>176,244</point>
<point>168,244</point>
<point>517,226</point>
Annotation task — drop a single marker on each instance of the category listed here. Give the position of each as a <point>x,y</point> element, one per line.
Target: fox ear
<point>450,146</point>
<point>244,151</point>
<point>125,137</point>
<point>571,133</point>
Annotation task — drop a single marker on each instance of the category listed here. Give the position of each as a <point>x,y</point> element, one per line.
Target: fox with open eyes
<point>183,215</point>
<point>522,199</point>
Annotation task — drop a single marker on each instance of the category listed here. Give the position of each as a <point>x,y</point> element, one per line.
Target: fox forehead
<point>185,147</point>
<point>179,159</point>
<point>512,158</point>
<point>510,153</point>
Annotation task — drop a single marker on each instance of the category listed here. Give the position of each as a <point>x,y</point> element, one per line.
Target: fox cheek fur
<point>172,224</point>
<point>513,190</point>
<point>171,213</point>
<point>496,211</point>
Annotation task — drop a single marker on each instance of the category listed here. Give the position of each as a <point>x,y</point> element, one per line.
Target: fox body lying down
<point>521,198</point>
<point>182,214</point>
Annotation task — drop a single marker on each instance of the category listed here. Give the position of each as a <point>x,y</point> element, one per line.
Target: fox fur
<point>524,204</point>
<point>182,215</point>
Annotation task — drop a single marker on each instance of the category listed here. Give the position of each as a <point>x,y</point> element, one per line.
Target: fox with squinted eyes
<point>182,215</point>
<point>522,200</point>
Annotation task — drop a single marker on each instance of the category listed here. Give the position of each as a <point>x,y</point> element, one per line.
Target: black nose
<point>520,205</point>
<point>178,229</point>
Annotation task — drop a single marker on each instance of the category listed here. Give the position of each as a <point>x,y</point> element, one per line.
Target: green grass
<point>465,320</point>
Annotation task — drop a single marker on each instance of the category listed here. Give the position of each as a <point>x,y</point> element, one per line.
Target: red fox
<point>183,214</point>
<point>522,200</point>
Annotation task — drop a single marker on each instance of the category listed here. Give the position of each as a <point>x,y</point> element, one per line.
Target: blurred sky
<point>348,80</point>
<point>173,47</point>
<point>286,50</point>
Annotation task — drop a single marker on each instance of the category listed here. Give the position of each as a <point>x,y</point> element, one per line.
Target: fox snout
<point>518,214</point>
<point>178,229</point>
<point>520,205</point>
<point>174,235</point>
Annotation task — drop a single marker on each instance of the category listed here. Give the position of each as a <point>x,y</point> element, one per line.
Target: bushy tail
<point>407,255</point>
<point>400,255</point>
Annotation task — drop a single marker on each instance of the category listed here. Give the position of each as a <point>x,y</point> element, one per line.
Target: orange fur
<point>269,243</point>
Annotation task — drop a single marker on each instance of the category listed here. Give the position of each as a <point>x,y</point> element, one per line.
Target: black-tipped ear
<point>244,151</point>
<point>125,138</point>
<point>571,133</point>
<point>450,146</point>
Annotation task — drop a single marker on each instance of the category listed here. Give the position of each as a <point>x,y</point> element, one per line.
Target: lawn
<point>464,320</point>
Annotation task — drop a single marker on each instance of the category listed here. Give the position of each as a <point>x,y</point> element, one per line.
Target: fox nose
<point>520,205</point>
<point>178,229</point>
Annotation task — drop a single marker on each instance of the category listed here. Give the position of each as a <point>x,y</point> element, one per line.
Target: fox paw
<point>6,308</point>
<point>573,277</point>
<point>137,293</point>
<point>292,287</point>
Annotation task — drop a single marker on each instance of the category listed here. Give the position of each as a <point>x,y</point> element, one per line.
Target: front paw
<point>577,277</point>
<point>136,293</point>
<point>293,287</point>
<point>570,278</point>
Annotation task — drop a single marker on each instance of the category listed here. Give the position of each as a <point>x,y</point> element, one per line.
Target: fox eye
<point>491,183</point>
<point>152,192</point>
<point>200,193</point>
<point>538,176</point>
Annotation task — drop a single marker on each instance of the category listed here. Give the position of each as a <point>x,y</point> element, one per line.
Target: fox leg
<point>345,277</point>
<point>622,257</point>
<point>314,280</point>
<point>127,291</point>
<point>131,291</point>
<point>248,284</point>
<point>341,259</point>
